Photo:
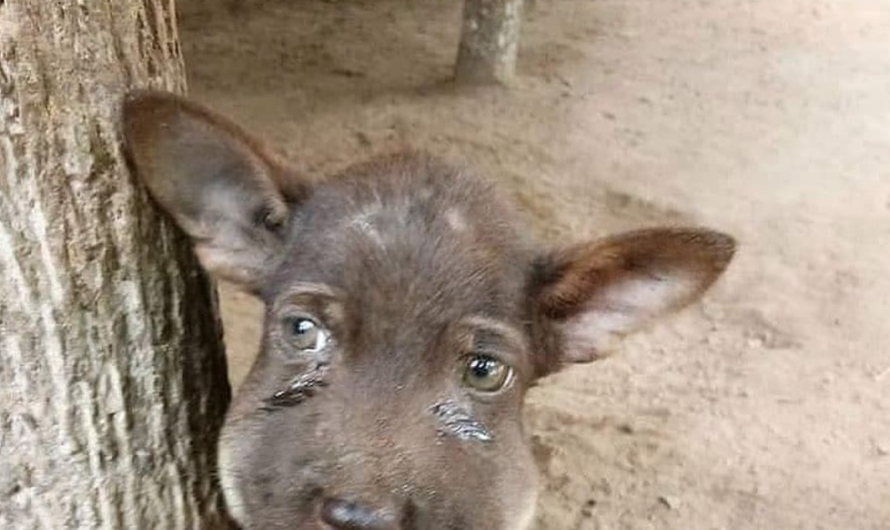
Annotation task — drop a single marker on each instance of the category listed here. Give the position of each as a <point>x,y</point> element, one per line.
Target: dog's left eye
<point>305,334</point>
<point>486,373</point>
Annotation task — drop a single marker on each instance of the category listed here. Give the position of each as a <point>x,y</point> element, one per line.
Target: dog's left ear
<point>597,292</point>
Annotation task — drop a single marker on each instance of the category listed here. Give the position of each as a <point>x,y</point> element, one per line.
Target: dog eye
<point>486,374</point>
<point>305,334</point>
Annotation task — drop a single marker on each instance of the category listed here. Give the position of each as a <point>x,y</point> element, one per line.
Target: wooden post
<point>112,372</point>
<point>489,41</point>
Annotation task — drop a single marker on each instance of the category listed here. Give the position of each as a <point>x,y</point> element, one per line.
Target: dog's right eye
<point>305,334</point>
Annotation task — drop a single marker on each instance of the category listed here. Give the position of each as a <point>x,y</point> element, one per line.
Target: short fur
<point>411,266</point>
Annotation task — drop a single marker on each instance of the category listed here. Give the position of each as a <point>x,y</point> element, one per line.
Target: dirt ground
<point>765,407</point>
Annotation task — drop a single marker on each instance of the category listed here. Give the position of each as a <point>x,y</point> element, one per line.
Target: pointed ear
<point>595,293</point>
<point>217,183</point>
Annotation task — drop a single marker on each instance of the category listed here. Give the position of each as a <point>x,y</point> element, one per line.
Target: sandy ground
<point>765,407</point>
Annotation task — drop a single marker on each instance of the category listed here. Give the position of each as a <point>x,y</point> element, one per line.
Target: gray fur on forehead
<point>409,211</point>
<point>411,186</point>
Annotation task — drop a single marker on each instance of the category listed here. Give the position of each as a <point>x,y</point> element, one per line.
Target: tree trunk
<point>112,374</point>
<point>489,41</point>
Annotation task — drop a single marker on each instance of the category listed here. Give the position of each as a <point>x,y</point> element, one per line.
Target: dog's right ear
<point>228,194</point>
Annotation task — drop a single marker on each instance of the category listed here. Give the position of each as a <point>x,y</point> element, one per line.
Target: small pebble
<point>669,502</point>
<point>363,138</point>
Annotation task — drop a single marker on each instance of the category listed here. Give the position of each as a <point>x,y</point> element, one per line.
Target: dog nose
<point>341,514</point>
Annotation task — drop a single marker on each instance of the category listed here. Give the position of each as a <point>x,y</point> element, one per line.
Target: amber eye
<point>305,334</point>
<point>486,374</point>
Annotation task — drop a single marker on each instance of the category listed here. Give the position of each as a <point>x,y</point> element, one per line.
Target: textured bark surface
<point>112,374</point>
<point>489,41</point>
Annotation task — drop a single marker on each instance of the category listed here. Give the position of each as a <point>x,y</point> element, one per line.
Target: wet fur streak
<point>300,389</point>
<point>457,422</point>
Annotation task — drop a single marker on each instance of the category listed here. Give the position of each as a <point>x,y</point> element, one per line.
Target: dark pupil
<point>483,367</point>
<point>302,327</point>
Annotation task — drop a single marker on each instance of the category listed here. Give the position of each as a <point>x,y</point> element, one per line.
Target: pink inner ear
<point>239,267</point>
<point>606,290</point>
<point>584,340</point>
<point>627,304</point>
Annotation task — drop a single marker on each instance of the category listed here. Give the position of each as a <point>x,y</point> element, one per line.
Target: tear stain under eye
<point>299,390</point>
<point>458,422</point>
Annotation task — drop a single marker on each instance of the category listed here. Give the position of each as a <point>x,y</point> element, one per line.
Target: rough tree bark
<point>112,375</point>
<point>489,41</point>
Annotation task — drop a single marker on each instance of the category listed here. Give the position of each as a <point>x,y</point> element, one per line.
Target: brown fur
<point>411,266</point>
